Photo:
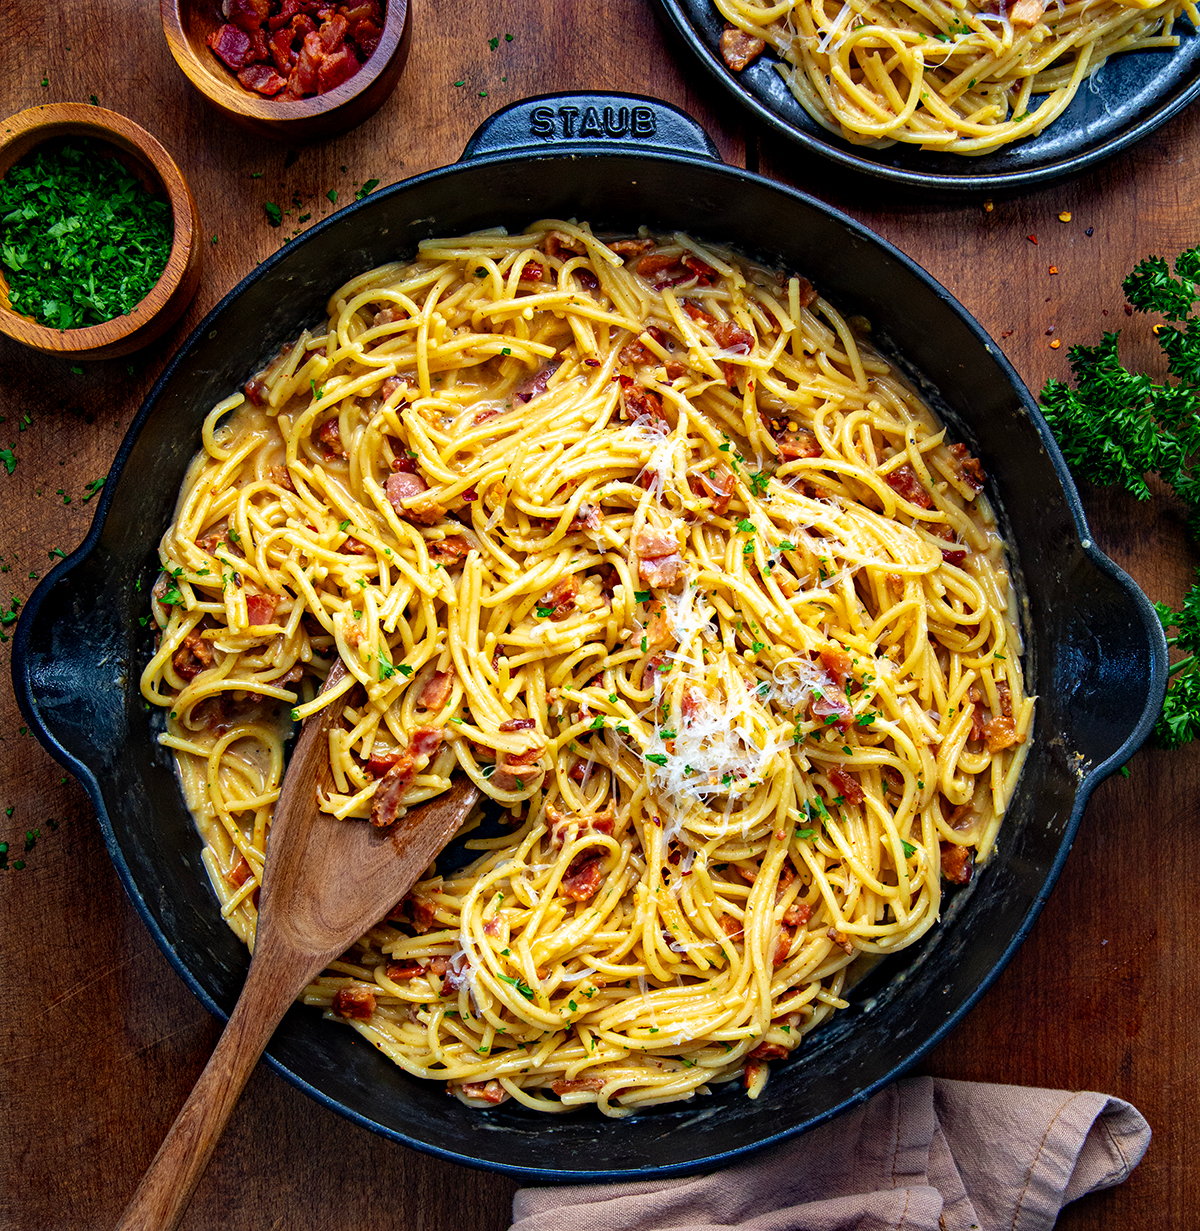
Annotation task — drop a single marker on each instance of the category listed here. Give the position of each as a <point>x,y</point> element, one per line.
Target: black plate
<point>1096,652</point>
<point>1129,97</point>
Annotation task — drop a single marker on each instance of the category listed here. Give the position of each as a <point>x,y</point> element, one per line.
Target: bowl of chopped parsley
<point>97,233</point>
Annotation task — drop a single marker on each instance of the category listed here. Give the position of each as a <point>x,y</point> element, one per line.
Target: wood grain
<point>99,1040</point>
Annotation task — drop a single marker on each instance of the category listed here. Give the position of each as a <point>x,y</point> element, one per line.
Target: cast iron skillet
<point>1095,650</point>
<point>1126,100</point>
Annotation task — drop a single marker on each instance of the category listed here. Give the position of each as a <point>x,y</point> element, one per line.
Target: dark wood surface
<point>100,1041</point>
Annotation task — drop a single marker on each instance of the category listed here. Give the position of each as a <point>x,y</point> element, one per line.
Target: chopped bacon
<point>631,247</point>
<point>233,46</point>
<point>752,1072</point>
<point>739,49</point>
<point>391,385</point>
<point>731,336</point>
<point>555,243</point>
<point>833,706</point>
<point>716,482</point>
<point>448,551</point>
<point>1000,733</point>
<point>560,602</point>
<point>403,486</point>
<point>842,941</point>
<point>656,263</point>
<point>660,572</point>
<point>730,926</point>
<point>1004,693</point>
<point>531,389</point>
<point>579,769</point>
<point>518,724</point>
<point>783,946</point>
<point>563,825</point>
<point>255,391</point>
<point>532,271</point>
<point>439,966</point>
<point>903,480</point>
<point>1025,14</point>
<point>388,316</point>
<point>421,911</point>
<point>385,807</point>
<point>697,313</point>
<point>436,690</point>
<point>487,1091</point>
<point>260,608</point>
<point>354,1002</point>
<point>797,914</point>
<point>282,477</point>
<point>637,352</point>
<point>192,657</point>
<point>584,875</point>
<point>517,770</point>
<point>732,374</point>
<point>262,79</point>
<point>249,14</point>
<point>572,1085</point>
<point>969,467</point>
<point>846,785</point>
<point>587,279</point>
<point>691,703</point>
<point>836,662</point>
<point>954,555</point>
<point>329,434</point>
<point>610,578</point>
<point>457,973</point>
<point>401,972</point>
<point>403,464</point>
<point>797,444</point>
<point>957,863</point>
<point>705,274</point>
<point>975,697</point>
<point>636,400</point>
<point>239,874</point>
<point>587,517</point>
<point>805,291</point>
<point>769,1051</point>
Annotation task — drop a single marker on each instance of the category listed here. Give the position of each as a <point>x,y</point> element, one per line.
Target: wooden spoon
<point>325,883</point>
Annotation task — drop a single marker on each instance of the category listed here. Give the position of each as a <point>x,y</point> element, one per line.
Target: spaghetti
<point>951,75</point>
<point>646,541</point>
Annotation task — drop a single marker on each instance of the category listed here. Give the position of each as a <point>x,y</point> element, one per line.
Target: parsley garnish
<point>273,212</point>
<point>519,984</point>
<point>805,833</point>
<point>909,849</point>
<point>657,758</point>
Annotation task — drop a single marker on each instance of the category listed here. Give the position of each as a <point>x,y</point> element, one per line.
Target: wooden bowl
<point>146,159</point>
<point>187,25</point>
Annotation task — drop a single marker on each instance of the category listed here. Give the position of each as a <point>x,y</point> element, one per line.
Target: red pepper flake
<point>1054,269</point>
<point>1032,238</point>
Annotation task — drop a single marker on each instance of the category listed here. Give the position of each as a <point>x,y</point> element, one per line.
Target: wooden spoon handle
<point>166,1188</point>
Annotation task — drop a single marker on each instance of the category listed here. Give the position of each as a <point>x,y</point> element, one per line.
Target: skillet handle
<point>590,123</point>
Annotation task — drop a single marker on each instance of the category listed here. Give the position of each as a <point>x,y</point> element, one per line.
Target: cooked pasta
<point>651,545</point>
<point>949,75</point>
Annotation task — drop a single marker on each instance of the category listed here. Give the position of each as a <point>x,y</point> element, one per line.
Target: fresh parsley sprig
<point>1116,427</point>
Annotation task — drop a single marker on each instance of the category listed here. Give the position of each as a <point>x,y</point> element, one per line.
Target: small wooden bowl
<point>187,25</point>
<point>146,159</point>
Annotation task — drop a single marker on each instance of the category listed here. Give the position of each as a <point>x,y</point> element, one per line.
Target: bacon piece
<point>401,972</point>
<point>903,480</point>
<point>555,243</point>
<point>656,263</point>
<point>832,704</point>
<point>561,600</point>
<point>283,54</point>
<point>797,914</point>
<point>651,541</point>
<point>281,476</point>
<point>486,1091</point>
<point>805,291</point>
<point>842,941</point>
<point>739,49</point>
<point>732,337</point>
<point>1004,693</point>
<point>1000,733</point>
<point>975,697</point>
<point>537,385</point>
<point>572,1085</point>
<point>260,609</point>
<point>587,279</point>
<point>697,313</point>
<point>515,771</point>
<point>587,517</point>
<point>239,874</point>
<point>631,247</point>
<point>563,826</point>
<point>583,876</point>
<point>403,486</point>
<point>705,274</point>
<point>797,444</point>
<point>436,690</point>
<point>1025,14</point>
<point>752,1072</point>
<point>518,724</point>
<point>637,352</point>
<point>769,1051</point>
<point>690,705</point>
<point>837,663</point>
<point>329,436</point>
<point>354,1002</point>
<point>255,391</point>
<point>969,467</point>
<point>439,966</point>
<point>957,863</point>
<point>335,68</point>
<point>192,657</point>
<point>717,483</point>
<point>385,807</point>
<point>532,271</point>
<point>233,46</point>
<point>783,945</point>
<point>391,385</point>
<point>262,79</point>
<point>638,401</point>
<point>249,14</point>
<point>449,551</point>
<point>610,578</point>
<point>732,927</point>
<point>846,785</point>
<point>659,562</point>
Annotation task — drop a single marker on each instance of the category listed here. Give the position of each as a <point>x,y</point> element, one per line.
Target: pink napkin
<point>925,1154</point>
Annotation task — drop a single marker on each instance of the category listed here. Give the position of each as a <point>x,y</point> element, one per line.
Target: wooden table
<point>101,1041</point>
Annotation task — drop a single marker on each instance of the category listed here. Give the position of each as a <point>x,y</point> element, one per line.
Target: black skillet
<point>1126,100</point>
<point>1095,653</point>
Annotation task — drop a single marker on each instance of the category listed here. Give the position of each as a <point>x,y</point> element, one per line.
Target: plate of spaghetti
<point>962,95</point>
<point>783,685</point>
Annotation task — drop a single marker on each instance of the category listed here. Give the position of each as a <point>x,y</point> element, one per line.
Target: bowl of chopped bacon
<point>300,69</point>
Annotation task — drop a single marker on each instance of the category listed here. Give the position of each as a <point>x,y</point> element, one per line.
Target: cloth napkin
<point>925,1154</point>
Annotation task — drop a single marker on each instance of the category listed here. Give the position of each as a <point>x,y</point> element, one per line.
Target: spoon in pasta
<point>326,881</point>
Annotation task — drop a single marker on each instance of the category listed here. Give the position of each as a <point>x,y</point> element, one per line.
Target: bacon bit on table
<point>739,49</point>
<point>294,49</point>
